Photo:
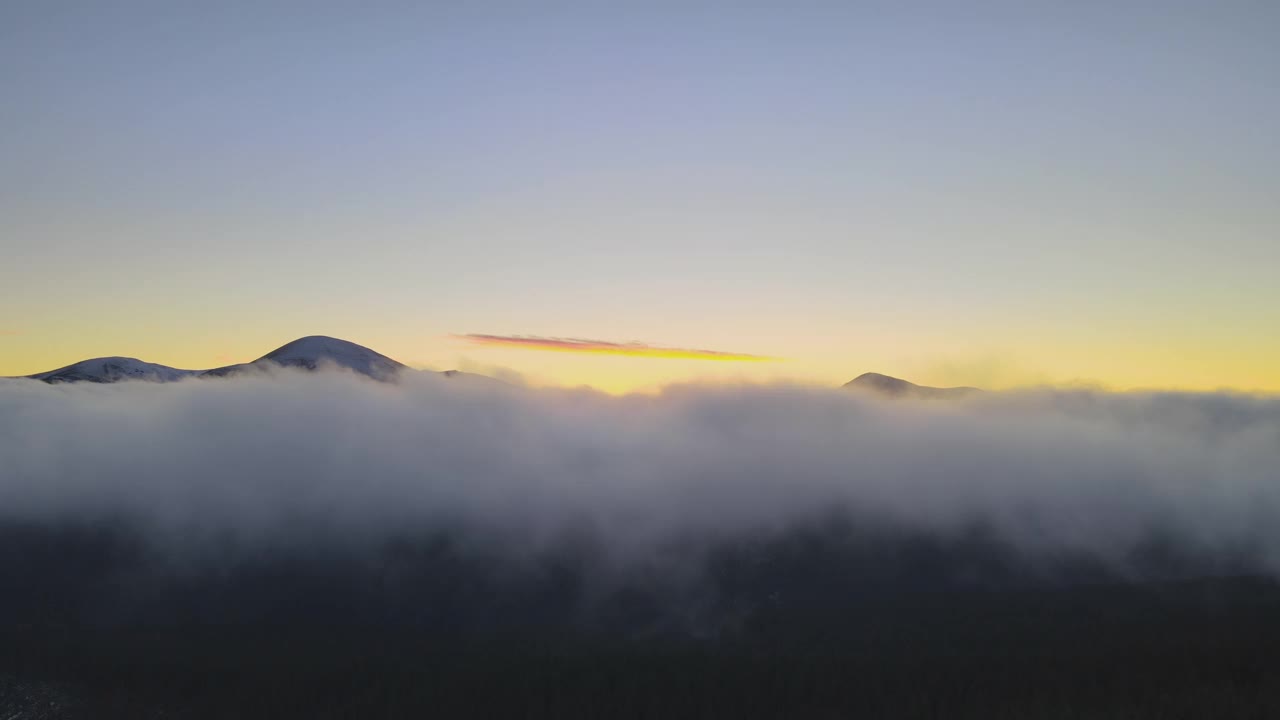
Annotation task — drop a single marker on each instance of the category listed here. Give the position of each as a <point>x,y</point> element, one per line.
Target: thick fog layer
<point>255,464</point>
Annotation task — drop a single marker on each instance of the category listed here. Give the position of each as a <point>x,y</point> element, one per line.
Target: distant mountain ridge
<point>315,352</point>
<point>899,388</point>
<point>309,353</point>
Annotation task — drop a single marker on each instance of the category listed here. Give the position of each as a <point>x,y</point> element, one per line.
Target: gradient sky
<point>1003,194</point>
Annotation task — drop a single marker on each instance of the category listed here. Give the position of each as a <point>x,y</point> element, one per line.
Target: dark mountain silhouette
<point>897,387</point>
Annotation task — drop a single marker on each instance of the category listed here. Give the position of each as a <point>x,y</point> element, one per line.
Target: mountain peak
<point>314,351</point>
<point>317,346</point>
<point>896,387</point>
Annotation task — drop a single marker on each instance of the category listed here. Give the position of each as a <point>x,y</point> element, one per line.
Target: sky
<point>999,194</point>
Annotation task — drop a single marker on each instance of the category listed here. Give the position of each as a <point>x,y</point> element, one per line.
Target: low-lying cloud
<point>333,458</point>
<point>604,347</point>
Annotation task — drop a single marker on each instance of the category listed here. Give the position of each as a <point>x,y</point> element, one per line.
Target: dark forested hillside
<point>830,621</point>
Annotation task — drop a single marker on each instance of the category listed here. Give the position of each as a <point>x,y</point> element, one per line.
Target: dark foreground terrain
<point>821,624</point>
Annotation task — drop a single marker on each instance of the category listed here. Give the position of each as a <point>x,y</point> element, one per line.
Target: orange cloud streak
<point>602,347</point>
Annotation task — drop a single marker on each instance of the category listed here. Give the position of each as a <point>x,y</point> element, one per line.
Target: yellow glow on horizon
<point>1063,359</point>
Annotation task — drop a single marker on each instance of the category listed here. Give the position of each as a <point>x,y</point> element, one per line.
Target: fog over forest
<point>288,543</point>
<point>212,470</point>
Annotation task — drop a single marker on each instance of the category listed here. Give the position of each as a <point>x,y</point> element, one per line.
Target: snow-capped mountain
<point>309,353</point>
<point>113,369</point>
<point>316,351</point>
<point>896,387</point>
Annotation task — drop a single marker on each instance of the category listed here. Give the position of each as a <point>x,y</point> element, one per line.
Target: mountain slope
<point>317,351</point>
<point>113,369</point>
<point>896,387</point>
